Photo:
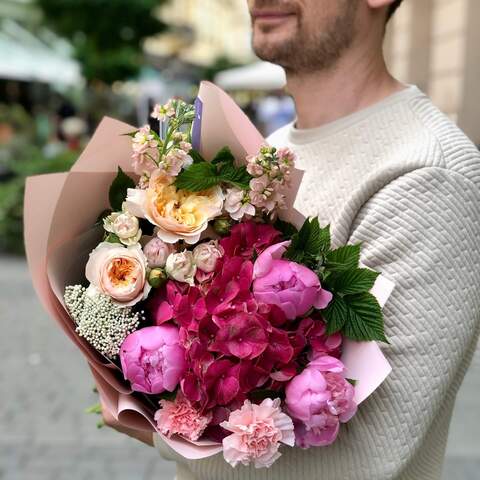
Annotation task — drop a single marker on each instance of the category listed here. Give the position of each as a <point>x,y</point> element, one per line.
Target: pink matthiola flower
<point>143,138</point>
<point>144,162</point>
<point>237,204</point>
<point>291,286</point>
<point>152,359</point>
<point>181,418</point>
<point>319,399</point>
<point>162,112</point>
<point>257,431</point>
<point>243,336</point>
<point>248,237</point>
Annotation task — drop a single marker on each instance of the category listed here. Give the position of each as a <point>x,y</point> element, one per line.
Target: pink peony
<point>152,359</point>
<point>319,399</point>
<point>181,418</point>
<point>291,286</point>
<point>258,431</point>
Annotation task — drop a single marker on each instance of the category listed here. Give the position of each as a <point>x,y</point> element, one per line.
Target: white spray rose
<point>181,267</point>
<point>206,255</point>
<point>124,225</point>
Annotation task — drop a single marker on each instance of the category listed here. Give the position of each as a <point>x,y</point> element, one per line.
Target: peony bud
<point>157,277</point>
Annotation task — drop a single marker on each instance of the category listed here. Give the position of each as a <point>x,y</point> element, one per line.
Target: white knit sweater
<point>401,178</point>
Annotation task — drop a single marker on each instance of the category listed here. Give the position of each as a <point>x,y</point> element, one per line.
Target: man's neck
<point>355,83</point>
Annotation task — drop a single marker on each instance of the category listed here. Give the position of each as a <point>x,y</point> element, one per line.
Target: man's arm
<point>422,231</point>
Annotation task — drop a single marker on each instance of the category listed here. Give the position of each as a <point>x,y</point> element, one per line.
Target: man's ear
<point>379,3</point>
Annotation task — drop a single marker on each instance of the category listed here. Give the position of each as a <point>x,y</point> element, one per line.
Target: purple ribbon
<point>197,124</point>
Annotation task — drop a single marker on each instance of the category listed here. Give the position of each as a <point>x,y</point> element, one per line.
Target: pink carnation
<point>258,431</point>
<point>181,418</point>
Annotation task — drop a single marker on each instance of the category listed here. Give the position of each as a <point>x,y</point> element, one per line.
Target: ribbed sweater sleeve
<point>421,231</point>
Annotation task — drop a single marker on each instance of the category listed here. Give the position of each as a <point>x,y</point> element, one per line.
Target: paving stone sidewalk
<point>45,386</point>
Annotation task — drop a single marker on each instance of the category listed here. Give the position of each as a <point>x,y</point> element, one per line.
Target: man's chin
<point>274,52</point>
<point>275,48</point>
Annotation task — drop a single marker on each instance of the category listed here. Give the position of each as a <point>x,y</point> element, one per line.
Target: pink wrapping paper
<point>60,210</point>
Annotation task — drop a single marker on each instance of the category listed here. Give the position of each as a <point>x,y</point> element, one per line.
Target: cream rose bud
<point>124,225</point>
<point>181,267</point>
<point>157,252</point>
<point>206,255</point>
<point>119,272</point>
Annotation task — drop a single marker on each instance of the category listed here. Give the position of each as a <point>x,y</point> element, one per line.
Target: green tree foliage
<point>106,34</point>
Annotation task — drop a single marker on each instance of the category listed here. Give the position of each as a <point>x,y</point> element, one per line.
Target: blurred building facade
<point>205,31</point>
<point>435,44</point>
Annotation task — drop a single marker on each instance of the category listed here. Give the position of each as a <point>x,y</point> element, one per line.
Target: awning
<point>256,76</point>
<point>25,57</point>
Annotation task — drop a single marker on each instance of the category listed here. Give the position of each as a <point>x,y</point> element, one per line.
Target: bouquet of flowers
<point>208,310</point>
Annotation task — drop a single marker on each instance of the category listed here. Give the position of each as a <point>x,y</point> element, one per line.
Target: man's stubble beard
<point>311,51</point>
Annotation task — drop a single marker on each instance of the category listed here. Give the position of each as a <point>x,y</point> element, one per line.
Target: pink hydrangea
<point>257,432</point>
<point>181,418</point>
<point>152,359</point>
<point>247,238</point>
<point>293,287</point>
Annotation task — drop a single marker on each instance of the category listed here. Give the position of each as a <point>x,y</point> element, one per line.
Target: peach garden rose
<point>119,272</point>
<point>178,215</point>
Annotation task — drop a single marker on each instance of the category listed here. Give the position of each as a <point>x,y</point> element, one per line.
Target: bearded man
<point>386,168</point>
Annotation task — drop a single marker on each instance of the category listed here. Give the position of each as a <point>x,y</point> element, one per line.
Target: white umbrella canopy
<point>26,57</point>
<point>256,76</point>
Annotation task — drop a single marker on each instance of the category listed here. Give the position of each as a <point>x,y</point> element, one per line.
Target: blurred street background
<point>64,64</point>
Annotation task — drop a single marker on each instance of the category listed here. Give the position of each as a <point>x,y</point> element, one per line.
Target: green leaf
<point>324,239</point>
<point>236,176</point>
<point>195,154</point>
<point>343,258</point>
<point>166,395</point>
<point>224,155</point>
<point>310,243</point>
<point>336,314</point>
<point>286,228</point>
<point>118,190</point>
<point>129,134</point>
<point>97,409</point>
<point>112,238</point>
<point>365,320</point>
<point>357,280</point>
<point>197,177</point>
